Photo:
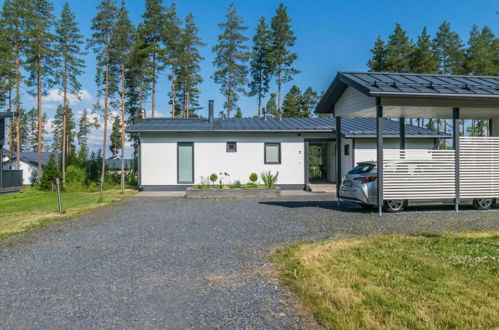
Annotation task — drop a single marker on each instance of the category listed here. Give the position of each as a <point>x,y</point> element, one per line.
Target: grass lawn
<point>32,208</point>
<point>448,281</point>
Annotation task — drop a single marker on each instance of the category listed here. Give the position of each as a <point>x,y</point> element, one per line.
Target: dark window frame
<point>346,150</point>
<point>178,167</point>
<point>265,153</point>
<point>229,143</point>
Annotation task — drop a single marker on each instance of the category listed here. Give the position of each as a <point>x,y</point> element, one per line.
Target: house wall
<point>352,101</point>
<point>28,170</point>
<point>365,149</point>
<point>159,156</point>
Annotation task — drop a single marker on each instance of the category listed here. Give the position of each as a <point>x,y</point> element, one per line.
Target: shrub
<point>250,185</point>
<point>75,178</point>
<point>213,178</point>
<point>253,177</point>
<point>269,179</point>
<point>49,174</point>
<point>204,183</point>
<point>236,184</point>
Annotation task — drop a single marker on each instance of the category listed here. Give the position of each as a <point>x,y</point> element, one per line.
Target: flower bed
<point>232,193</point>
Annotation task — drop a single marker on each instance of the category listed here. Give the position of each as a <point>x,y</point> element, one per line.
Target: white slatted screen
<point>418,174</point>
<point>479,165</point>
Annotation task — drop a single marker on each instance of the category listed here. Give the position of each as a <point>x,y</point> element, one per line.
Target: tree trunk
<point>141,112</point>
<point>18,109</point>
<point>173,93</point>
<point>187,105</point>
<point>104,144</point>
<point>40,124</point>
<point>11,126</point>
<point>64,116</point>
<point>229,93</point>
<point>153,91</point>
<point>123,128</point>
<point>279,96</point>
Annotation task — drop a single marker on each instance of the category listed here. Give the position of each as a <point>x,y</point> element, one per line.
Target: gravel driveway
<point>176,263</point>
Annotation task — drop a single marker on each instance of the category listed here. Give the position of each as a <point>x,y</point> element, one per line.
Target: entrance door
<point>185,162</point>
<point>317,161</point>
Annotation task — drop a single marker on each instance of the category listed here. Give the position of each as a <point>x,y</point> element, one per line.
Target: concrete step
<point>321,187</point>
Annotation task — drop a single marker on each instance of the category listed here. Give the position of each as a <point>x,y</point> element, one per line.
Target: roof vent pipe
<point>264,113</point>
<point>211,116</point>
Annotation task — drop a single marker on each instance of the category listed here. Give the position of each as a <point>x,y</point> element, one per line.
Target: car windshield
<point>362,168</point>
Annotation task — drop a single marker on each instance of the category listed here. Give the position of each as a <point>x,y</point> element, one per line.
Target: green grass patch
<point>32,208</point>
<point>447,281</point>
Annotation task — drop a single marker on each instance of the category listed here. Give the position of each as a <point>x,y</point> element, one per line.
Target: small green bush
<point>253,177</point>
<point>236,184</point>
<point>269,179</point>
<point>213,178</point>
<point>49,174</point>
<point>75,175</point>
<point>250,185</point>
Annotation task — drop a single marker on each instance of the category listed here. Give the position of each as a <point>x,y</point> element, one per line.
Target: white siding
<point>352,101</point>
<point>159,157</point>
<point>365,149</point>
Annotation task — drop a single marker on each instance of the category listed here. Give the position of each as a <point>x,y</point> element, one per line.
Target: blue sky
<point>331,36</point>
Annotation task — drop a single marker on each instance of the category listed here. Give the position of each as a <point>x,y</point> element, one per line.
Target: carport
<point>470,170</point>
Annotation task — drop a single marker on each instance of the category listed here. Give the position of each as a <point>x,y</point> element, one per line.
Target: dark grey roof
<point>7,114</point>
<point>410,85</point>
<point>351,127</point>
<point>32,157</point>
<point>115,164</point>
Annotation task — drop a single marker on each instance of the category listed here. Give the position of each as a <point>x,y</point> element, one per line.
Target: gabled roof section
<point>382,84</point>
<point>351,127</point>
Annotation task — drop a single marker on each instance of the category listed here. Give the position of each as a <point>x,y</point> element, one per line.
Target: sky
<point>331,36</point>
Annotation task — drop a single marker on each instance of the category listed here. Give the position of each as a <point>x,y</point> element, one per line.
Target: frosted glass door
<point>185,162</point>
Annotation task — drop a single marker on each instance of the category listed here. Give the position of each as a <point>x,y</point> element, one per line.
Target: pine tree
<point>63,130</point>
<point>24,129</point>
<point>115,137</point>
<point>152,29</point>
<point>139,73</point>
<point>483,52</point>
<point>291,105</point>
<point>121,43</point>
<point>85,126</point>
<point>47,179</point>
<point>172,39</point>
<point>281,58</point>
<point>398,50</point>
<point>32,130</point>
<point>188,68</point>
<point>308,101</point>
<point>377,63</point>
<point>260,69</point>
<point>271,106</point>
<point>239,113</point>
<point>448,50</point>
<point>102,25</point>
<point>15,22</point>
<point>422,59</point>
<point>40,56</point>
<point>69,52</point>
<point>231,57</point>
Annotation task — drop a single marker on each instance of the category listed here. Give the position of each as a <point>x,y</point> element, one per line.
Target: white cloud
<point>55,96</point>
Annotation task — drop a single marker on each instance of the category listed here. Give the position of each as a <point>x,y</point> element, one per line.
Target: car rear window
<point>361,169</point>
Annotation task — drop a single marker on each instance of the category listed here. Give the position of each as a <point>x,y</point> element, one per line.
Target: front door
<point>317,162</point>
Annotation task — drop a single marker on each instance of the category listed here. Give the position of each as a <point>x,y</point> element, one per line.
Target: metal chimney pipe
<point>264,113</point>
<point>211,116</point>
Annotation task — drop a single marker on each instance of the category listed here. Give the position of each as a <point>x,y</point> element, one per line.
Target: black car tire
<point>395,206</point>
<point>484,203</point>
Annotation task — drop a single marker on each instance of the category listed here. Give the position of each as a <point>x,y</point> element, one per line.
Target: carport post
<point>379,152</point>
<point>338,158</point>
<point>455,138</point>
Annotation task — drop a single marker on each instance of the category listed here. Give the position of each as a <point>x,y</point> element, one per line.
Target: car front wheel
<point>484,203</point>
<point>394,205</point>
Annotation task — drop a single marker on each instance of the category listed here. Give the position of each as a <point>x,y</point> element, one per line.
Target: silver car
<point>360,186</point>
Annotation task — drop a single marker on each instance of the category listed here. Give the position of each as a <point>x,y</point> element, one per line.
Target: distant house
<point>10,180</point>
<point>114,164</point>
<point>28,163</point>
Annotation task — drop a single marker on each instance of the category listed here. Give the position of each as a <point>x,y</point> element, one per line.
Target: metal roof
<point>382,84</point>
<point>351,127</point>
<point>32,156</point>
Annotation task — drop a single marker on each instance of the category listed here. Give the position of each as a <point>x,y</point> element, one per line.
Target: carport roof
<point>382,84</point>
<point>351,127</point>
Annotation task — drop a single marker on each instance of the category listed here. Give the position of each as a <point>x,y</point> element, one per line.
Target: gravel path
<point>176,263</point>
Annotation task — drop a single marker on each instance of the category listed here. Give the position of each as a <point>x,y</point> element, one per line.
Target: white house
<point>28,163</point>
<point>177,153</point>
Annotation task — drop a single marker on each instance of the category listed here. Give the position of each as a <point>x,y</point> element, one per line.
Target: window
<point>231,147</point>
<point>272,153</point>
<point>347,150</point>
<point>185,162</point>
